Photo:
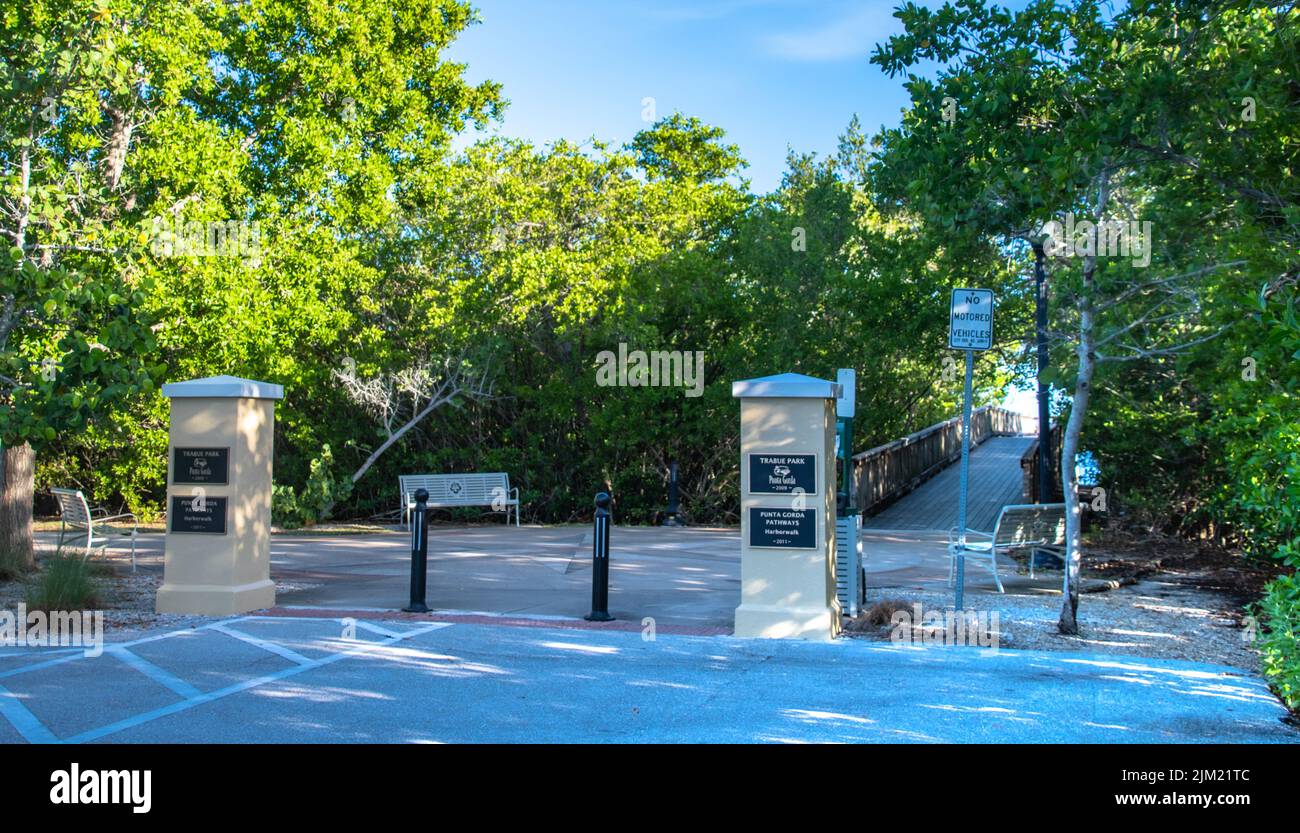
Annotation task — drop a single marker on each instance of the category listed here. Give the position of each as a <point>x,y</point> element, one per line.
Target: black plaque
<point>782,474</point>
<point>201,466</point>
<point>777,528</point>
<point>202,516</point>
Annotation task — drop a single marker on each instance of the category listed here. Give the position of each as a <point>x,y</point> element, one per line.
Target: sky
<point>775,74</point>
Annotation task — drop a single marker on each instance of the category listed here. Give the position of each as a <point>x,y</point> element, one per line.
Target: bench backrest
<point>474,489</point>
<point>1031,523</point>
<point>73,507</point>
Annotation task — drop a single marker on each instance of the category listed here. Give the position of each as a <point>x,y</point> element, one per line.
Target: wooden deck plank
<point>995,481</point>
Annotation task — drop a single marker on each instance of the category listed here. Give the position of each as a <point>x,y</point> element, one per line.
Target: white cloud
<point>851,35</point>
<point>700,10</point>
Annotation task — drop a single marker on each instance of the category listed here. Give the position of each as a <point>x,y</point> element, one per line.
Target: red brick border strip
<point>481,619</point>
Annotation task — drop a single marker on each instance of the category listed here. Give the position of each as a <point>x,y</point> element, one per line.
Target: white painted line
<point>27,651</point>
<point>27,724</point>
<point>36,666</point>
<point>266,645</point>
<point>146,717</point>
<point>80,653</point>
<point>373,628</point>
<point>161,676</point>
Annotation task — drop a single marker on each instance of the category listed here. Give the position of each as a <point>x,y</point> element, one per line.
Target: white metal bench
<point>451,490</point>
<point>91,529</point>
<point>1019,526</point>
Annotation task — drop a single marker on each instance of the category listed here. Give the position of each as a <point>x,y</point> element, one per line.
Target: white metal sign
<point>971,319</point>
<point>847,404</point>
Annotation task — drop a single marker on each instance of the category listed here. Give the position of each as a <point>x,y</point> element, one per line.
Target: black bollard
<point>419,553</point>
<point>600,562</point>
<point>674,509</point>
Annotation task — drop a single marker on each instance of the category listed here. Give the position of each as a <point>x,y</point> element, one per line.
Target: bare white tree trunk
<point>397,435</point>
<point>1086,350</point>
<point>1069,623</point>
<point>383,396</point>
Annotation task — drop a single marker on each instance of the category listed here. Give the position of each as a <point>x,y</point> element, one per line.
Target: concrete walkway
<point>268,679</point>
<point>679,577</point>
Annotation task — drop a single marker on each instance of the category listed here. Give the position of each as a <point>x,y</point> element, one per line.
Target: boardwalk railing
<point>1029,467</point>
<point>887,472</point>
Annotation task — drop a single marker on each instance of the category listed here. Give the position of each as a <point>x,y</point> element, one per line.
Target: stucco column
<point>218,549</point>
<point>787,485</point>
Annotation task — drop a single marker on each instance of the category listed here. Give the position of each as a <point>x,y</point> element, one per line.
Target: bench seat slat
<point>457,490</point>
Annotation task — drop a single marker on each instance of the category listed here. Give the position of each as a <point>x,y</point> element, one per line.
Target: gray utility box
<point>848,564</point>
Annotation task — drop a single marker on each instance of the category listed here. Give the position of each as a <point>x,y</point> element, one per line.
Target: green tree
<point>264,157</point>
<point>72,341</point>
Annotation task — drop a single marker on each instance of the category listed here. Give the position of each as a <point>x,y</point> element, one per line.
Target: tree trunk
<point>17,482</point>
<point>433,405</point>
<point>1087,352</point>
<point>1069,623</point>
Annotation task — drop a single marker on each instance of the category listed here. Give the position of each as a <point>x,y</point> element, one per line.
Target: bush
<point>291,509</point>
<point>64,584</point>
<point>1262,499</point>
<point>1279,638</point>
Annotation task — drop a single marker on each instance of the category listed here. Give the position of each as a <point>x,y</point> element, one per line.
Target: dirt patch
<point>1118,554</point>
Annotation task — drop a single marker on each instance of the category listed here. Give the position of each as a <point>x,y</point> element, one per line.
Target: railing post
<point>419,553</point>
<point>600,561</point>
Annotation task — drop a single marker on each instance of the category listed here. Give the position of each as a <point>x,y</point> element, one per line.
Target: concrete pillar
<point>787,508</point>
<point>218,549</point>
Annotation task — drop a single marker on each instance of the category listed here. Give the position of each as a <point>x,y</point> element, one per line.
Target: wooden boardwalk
<point>995,481</point>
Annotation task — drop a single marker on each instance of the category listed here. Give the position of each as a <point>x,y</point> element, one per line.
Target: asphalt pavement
<point>319,679</point>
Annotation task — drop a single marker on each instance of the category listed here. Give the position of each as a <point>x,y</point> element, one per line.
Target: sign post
<point>848,567</point>
<point>970,329</point>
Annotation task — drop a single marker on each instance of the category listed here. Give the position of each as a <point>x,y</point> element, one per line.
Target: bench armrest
<point>112,518</point>
<point>954,537</point>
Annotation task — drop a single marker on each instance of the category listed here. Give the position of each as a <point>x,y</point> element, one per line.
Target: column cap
<point>786,386</point>
<point>222,387</point>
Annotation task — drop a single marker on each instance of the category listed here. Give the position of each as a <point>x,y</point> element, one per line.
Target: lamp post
<point>1044,424</point>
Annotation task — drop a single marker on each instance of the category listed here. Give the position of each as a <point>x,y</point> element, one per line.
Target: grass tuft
<point>11,566</point>
<point>882,612</point>
<point>65,583</point>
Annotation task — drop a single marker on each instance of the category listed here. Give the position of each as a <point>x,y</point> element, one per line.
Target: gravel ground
<point>127,600</point>
<point>1156,617</point>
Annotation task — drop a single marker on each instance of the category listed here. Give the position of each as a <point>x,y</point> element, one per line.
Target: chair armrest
<point>515,491</point>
